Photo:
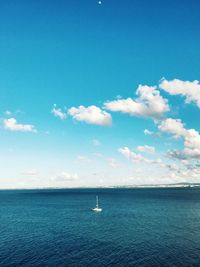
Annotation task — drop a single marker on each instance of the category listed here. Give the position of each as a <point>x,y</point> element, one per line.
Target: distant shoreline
<point>178,185</point>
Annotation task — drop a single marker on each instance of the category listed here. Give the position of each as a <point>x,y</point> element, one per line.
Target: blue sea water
<point>138,227</point>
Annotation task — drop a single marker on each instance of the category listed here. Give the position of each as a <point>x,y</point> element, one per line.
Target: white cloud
<point>127,153</point>
<point>65,176</point>
<point>173,126</point>
<point>191,138</point>
<point>118,97</point>
<point>58,113</point>
<point>96,142</point>
<point>146,149</point>
<point>12,125</point>
<point>187,89</point>
<point>149,103</point>
<point>8,112</point>
<point>91,115</point>
<point>182,174</point>
<point>136,157</point>
<point>147,132</point>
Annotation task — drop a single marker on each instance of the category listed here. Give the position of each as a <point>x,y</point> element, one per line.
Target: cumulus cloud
<point>12,125</point>
<point>173,126</point>
<point>136,157</point>
<point>149,103</point>
<point>191,138</point>
<point>57,112</point>
<point>91,115</point>
<point>65,176</point>
<point>146,149</point>
<point>187,89</point>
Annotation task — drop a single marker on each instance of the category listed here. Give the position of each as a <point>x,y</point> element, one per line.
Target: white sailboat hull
<point>97,209</point>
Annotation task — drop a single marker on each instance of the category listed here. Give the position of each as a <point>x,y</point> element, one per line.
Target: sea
<point>137,227</point>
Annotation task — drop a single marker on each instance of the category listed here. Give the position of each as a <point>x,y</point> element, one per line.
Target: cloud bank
<point>191,138</point>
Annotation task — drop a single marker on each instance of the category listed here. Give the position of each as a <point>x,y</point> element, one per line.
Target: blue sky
<point>58,56</point>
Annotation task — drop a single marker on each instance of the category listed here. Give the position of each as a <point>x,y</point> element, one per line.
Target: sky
<point>99,93</point>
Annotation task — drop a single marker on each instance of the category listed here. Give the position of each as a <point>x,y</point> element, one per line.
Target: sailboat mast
<point>97,201</point>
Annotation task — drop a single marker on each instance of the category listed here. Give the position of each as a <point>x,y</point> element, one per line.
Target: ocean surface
<point>137,227</point>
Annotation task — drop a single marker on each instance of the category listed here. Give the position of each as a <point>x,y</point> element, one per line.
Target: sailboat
<point>97,209</point>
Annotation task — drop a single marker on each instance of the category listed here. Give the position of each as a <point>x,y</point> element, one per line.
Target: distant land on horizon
<point>172,185</point>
